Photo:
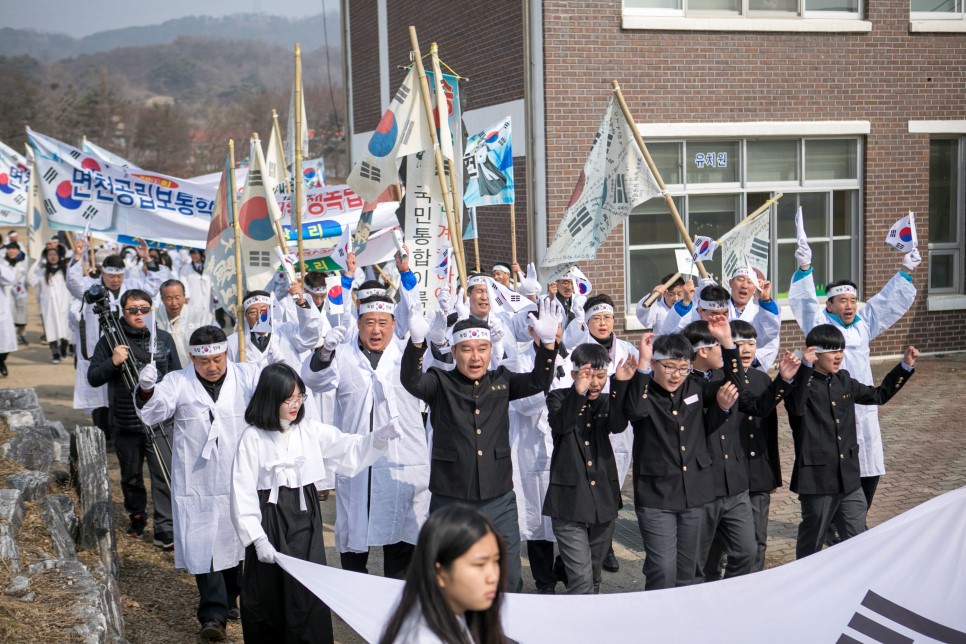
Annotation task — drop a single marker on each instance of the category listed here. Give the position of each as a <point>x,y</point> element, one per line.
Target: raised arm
<point>420,385</point>
<point>893,382</point>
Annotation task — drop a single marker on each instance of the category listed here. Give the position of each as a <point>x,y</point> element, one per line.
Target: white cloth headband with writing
<point>597,309</point>
<point>376,307</point>
<point>844,289</point>
<point>256,299</point>
<point>472,333</point>
<point>208,349</point>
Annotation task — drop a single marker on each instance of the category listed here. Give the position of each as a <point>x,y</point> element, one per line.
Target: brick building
<point>856,111</point>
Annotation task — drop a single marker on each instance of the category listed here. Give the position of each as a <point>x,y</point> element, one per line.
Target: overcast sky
<point>83,17</point>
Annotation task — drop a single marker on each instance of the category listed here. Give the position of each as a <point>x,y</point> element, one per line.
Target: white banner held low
<point>747,245</point>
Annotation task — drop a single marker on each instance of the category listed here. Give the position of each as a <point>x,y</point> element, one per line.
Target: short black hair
<point>845,282</point>
<point>274,387</point>
<point>589,353</point>
<point>249,294</point>
<point>113,261</point>
<point>678,282</point>
<point>826,336</point>
<point>134,294</point>
<point>378,298</point>
<point>601,298</point>
<point>172,282</point>
<point>470,323</point>
<point>715,293</point>
<point>315,279</point>
<point>368,284</point>
<point>197,250</point>
<point>741,330</point>
<point>209,334</point>
<point>699,332</point>
<point>675,346</point>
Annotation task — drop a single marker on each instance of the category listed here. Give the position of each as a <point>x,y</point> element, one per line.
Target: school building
<point>854,110</point>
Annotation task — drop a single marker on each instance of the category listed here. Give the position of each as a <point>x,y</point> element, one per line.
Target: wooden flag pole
<point>442,109</point>
<point>652,298</point>
<point>428,106</point>
<point>276,224</point>
<point>236,226</point>
<point>513,244</point>
<point>385,277</point>
<point>297,172</point>
<point>657,175</point>
<point>753,216</point>
<point>476,247</point>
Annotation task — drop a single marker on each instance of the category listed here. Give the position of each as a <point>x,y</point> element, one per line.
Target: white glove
<point>529,286</point>
<point>546,325</point>
<point>437,328</point>
<point>334,338</point>
<point>445,301</point>
<point>149,376</point>
<point>577,306</point>
<point>556,309</point>
<point>497,330</point>
<point>264,550</point>
<point>388,432</point>
<point>803,253</point>
<point>462,308</point>
<point>912,259</point>
<point>418,326</point>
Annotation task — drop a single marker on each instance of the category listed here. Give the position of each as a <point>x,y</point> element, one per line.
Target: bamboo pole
<point>513,244</point>
<point>427,105</point>
<point>442,110</point>
<point>236,225</point>
<point>657,175</point>
<point>297,172</point>
<point>652,298</point>
<point>753,216</point>
<point>385,277</point>
<point>476,248</point>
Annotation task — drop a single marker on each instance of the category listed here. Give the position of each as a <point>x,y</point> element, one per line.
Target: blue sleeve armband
<point>409,280</point>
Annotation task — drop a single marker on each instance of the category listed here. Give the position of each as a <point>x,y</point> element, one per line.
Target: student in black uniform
<point>584,494</point>
<point>672,465</point>
<point>469,407</point>
<point>821,411</point>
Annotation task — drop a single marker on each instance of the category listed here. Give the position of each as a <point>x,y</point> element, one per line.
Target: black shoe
<point>610,562</point>
<point>3,370</point>
<point>213,631</point>
<point>136,531</point>
<point>164,540</point>
<point>546,591</point>
<point>22,340</point>
<point>234,614</point>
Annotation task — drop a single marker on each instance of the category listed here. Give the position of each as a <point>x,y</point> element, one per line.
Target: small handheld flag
<point>902,236</point>
<point>341,254</point>
<point>581,284</point>
<point>441,267</point>
<point>704,248</point>
<point>334,297</point>
<point>264,323</point>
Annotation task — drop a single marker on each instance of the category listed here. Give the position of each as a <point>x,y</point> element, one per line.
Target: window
<point>748,8</point>
<point>946,216</point>
<point>937,9</point>
<point>715,183</point>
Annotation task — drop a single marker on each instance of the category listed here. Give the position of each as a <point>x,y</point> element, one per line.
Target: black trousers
<point>540,554</point>
<point>58,349</point>
<point>395,560</point>
<point>218,592</point>
<point>869,485</point>
<point>132,450</point>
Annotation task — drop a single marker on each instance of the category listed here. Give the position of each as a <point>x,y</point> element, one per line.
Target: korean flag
<point>902,236</point>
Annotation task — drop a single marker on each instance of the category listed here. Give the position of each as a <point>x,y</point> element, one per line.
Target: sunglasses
<point>134,310</point>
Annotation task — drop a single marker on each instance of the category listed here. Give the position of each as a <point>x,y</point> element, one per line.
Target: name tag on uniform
<point>690,400</point>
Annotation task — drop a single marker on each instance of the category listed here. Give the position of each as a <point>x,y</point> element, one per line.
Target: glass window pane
<point>647,267</point>
<point>943,187</point>
<point>651,223</point>
<point>819,264</point>
<point>941,271</point>
<point>844,204</point>
<point>652,4</point>
<point>842,260</point>
<point>711,215</point>
<point>712,162</point>
<point>831,159</point>
<point>943,6</point>
<point>755,200</point>
<point>667,158</point>
<point>790,6</point>
<point>714,5</point>
<point>813,212</point>
<point>786,266</point>
<point>850,6</point>
<point>772,160</point>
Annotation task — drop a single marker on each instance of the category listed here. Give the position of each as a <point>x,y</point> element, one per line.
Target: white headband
<point>208,349</point>
<point>712,305</point>
<point>660,356</point>
<point>110,270</point>
<point>603,307</point>
<point>472,333</point>
<point>476,280</point>
<point>826,350</point>
<point>256,299</point>
<point>741,340</point>
<point>844,289</point>
<point>376,307</point>
<point>704,345</point>
<point>501,267</point>
<point>369,292</point>
<point>315,291</point>
<point>744,271</point>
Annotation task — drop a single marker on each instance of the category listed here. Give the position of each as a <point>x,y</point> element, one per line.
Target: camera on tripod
<point>98,297</point>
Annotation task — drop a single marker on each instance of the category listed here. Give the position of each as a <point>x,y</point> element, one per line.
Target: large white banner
<point>902,581</point>
<point>14,186</point>
<point>426,226</point>
<point>747,245</point>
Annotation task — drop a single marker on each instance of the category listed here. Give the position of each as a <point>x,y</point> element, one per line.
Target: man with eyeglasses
<point>131,441</point>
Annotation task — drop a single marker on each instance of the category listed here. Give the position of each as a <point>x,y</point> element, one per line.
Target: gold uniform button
<point>587,443</point>
<point>549,361</point>
<point>477,412</point>
<point>751,418</point>
<point>684,448</point>
<point>479,431</point>
<point>588,424</point>
<point>675,412</point>
<point>722,437</point>
<point>479,453</point>
<point>836,421</point>
<point>726,456</point>
<point>841,455</point>
<point>751,435</point>
<point>833,403</point>
<point>684,469</point>
<point>840,438</point>
<point>590,463</point>
<point>476,382</point>
<point>682,428</point>
<point>751,454</point>
<point>593,483</point>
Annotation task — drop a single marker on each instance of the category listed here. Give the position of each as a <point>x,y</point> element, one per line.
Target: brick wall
<point>887,77</point>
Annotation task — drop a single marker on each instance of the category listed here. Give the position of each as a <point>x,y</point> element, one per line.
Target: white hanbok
<point>17,292</point>
<point>191,318</point>
<point>197,287</point>
<point>204,441</point>
<point>879,313</point>
<point>55,303</point>
<point>8,333</point>
<point>289,339</point>
<point>391,504</point>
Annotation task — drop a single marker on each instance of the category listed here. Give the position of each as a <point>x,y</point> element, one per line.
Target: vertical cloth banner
<point>614,180</point>
<point>489,166</point>
<point>256,210</point>
<point>426,227</point>
<point>14,186</point>
<point>900,581</point>
<point>449,129</point>
<point>37,231</point>
<point>403,130</point>
<point>220,249</point>
<point>747,246</point>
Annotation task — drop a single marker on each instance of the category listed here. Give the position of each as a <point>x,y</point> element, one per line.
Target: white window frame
<point>936,21</point>
<point>745,20</point>
<point>801,130</point>
<point>954,248</point>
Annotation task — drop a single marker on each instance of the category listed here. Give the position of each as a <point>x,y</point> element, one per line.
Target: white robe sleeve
<point>888,305</point>
<point>767,324</point>
<point>326,379</point>
<point>309,328</point>
<point>804,303</point>
<point>246,513</point>
<point>163,403</point>
<point>345,454</point>
<point>574,335</point>
<point>76,281</point>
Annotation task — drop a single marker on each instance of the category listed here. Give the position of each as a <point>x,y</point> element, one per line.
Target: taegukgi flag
<point>614,180</point>
<point>902,236</point>
<point>14,186</point>
<point>257,212</point>
<point>489,166</point>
